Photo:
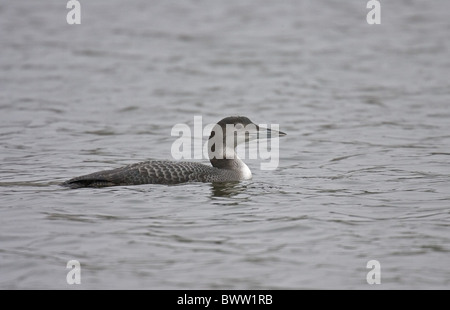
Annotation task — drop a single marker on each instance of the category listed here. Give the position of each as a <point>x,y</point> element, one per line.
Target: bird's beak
<point>266,133</point>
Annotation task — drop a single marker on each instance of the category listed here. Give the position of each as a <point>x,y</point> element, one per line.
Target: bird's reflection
<point>227,189</point>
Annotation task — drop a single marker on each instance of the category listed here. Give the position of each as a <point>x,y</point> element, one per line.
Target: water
<point>364,170</point>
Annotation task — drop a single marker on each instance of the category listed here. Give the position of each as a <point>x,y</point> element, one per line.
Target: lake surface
<point>364,171</point>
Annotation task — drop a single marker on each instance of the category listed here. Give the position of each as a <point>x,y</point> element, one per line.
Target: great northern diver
<point>226,165</point>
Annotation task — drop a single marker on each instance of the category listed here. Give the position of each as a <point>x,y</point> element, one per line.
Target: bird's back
<point>153,172</point>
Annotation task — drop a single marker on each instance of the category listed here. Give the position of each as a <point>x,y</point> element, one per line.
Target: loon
<point>226,165</point>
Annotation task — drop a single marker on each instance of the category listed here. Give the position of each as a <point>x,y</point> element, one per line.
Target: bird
<point>226,166</point>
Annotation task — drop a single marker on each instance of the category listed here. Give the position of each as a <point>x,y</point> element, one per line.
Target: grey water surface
<point>363,174</point>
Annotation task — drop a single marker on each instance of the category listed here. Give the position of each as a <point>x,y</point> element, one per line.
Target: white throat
<point>245,171</point>
<point>228,159</point>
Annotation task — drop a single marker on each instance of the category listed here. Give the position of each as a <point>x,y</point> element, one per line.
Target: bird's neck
<point>223,157</point>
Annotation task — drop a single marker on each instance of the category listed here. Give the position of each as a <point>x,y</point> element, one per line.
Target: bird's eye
<point>238,126</point>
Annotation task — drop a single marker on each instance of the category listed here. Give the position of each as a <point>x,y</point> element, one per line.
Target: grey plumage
<point>154,172</point>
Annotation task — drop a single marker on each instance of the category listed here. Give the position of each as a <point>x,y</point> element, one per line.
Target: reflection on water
<point>227,189</point>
